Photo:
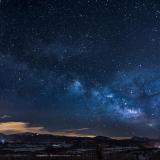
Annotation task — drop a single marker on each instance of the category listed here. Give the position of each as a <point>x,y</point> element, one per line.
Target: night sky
<point>80,67</point>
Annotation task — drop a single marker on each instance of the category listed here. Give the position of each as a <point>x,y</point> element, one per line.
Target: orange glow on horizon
<point>22,127</point>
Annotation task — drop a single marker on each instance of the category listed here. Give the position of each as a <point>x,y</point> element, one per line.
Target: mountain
<point>35,138</point>
<point>140,139</point>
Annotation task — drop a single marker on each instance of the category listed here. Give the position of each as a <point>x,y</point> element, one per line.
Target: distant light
<point>3,141</point>
<point>150,124</point>
<point>157,145</point>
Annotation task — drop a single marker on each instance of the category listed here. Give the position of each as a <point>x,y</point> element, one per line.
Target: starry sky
<point>80,67</point>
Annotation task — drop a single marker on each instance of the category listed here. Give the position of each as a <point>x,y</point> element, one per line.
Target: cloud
<point>74,133</point>
<point>121,138</point>
<point>22,127</point>
<point>5,116</point>
<point>18,127</point>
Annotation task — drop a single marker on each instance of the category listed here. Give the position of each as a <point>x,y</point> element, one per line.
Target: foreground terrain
<point>29,146</point>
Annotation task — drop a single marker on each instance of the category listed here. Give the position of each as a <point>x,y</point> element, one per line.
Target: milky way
<point>86,67</point>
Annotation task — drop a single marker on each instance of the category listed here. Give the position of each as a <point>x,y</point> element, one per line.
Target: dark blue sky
<point>89,67</point>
